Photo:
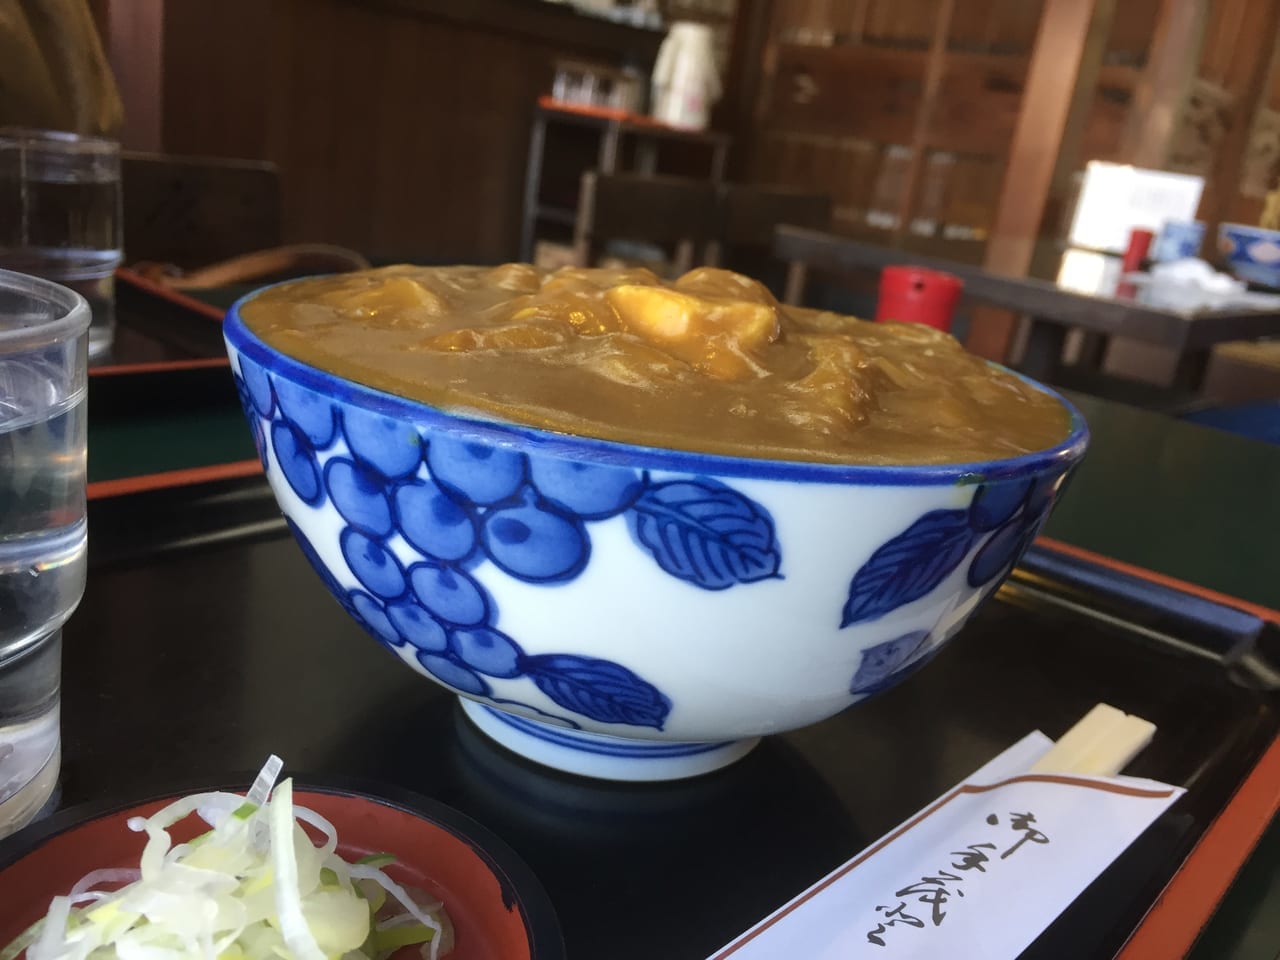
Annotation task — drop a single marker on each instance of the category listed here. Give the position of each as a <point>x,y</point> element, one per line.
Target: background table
<point>1052,310</point>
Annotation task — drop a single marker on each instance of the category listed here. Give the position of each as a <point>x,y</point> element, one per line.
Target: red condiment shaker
<point>916,295</point>
<point>1136,254</point>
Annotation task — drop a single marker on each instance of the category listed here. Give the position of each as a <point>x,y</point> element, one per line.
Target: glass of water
<point>44,338</point>
<point>60,217</point>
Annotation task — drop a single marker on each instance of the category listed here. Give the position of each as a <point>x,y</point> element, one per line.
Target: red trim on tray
<point>160,365</point>
<point>151,288</point>
<point>1173,924</point>
<point>1183,586</point>
<point>1175,921</point>
<point>173,478</point>
<point>174,296</point>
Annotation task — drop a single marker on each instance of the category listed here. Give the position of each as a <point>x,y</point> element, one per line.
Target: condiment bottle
<point>1135,255</point>
<point>918,295</point>
<point>685,81</point>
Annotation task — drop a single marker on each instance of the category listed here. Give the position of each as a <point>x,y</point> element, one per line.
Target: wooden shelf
<point>551,23</point>
<point>610,132</point>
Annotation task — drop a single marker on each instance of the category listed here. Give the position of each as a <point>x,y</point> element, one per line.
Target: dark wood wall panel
<point>844,91</point>
<point>399,130</point>
<point>978,104</point>
<point>874,93</point>
<point>218,70</point>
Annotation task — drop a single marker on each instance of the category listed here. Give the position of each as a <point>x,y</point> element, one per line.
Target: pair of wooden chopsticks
<point>1101,744</point>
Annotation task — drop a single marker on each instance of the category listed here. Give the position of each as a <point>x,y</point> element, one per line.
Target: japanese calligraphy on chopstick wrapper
<point>944,883</point>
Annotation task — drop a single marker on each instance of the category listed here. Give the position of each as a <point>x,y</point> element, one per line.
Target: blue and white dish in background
<point>1251,253</point>
<point>629,612</point>
<point>1178,240</point>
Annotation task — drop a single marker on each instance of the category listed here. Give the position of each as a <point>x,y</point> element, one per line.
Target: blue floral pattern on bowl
<point>464,503</point>
<point>1002,520</point>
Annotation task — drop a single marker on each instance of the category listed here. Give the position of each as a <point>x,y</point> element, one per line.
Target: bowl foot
<point>597,755</point>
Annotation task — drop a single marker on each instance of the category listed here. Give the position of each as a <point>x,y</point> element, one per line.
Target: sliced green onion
<point>253,887</point>
<point>389,941</point>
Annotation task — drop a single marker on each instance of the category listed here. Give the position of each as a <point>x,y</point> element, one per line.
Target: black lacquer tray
<point>205,642</point>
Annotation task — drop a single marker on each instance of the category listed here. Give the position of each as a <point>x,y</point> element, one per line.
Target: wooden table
<point>204,642</point>
<point>1052,310</point>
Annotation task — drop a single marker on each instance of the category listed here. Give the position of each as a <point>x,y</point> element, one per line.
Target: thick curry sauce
<point>710,362</point>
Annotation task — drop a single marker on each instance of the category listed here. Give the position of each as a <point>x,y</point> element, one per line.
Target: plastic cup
<point>60,217</point>
<point>44,334</point>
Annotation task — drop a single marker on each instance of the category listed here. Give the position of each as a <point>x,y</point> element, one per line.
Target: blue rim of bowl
<point>472,428</point>
<point>520,886</point>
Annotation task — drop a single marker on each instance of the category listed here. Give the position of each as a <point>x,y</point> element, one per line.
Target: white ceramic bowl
<point>623,611</point>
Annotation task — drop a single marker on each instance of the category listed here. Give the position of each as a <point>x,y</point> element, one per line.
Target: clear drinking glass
<point>60,217</point>
<point>44,334</point>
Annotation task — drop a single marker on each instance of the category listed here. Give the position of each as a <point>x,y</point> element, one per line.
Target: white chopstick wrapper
<point>986,868</point>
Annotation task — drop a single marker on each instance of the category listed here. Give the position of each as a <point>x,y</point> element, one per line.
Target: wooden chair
<point>201,222</point>
<point>677,214</point>
<point>193,211</point>
<point>749,215</point>
<point>750,212</point>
